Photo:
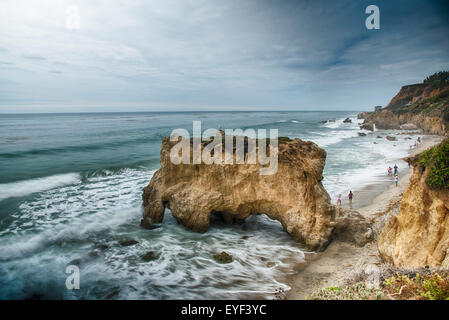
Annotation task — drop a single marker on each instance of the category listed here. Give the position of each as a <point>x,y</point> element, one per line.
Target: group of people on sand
<point>350,196</point>
<point>418,141</point>
<point>395,172</point>
<point>391,171</point>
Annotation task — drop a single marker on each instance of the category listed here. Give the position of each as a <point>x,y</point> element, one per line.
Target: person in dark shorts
<point>350,196</point>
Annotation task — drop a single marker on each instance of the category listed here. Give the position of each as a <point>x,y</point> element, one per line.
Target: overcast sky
<point>136,55</point>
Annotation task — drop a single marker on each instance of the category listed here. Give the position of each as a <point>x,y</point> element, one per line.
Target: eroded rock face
<point>419,235</point>
<point>294,195</point>
<point>422,105</point>
<point>386,119</point>
<point>367,125</point>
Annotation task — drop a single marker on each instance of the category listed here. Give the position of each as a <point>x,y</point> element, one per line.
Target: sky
<point>168,55</point>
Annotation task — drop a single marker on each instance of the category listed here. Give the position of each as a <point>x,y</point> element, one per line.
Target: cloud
<point>192,54</point>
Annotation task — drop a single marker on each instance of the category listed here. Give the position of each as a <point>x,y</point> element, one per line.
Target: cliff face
<point>419,235</point>
<point>293,195</point>
<point>425,105</point>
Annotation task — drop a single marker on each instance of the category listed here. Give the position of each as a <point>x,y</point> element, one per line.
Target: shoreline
<point>341,260</point>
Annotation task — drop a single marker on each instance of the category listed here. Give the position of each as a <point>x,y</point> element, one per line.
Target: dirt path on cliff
<point>340,261</point>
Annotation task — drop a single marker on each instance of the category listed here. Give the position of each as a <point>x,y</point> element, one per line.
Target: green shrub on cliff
<point>436,161</point>
<point>441,76</point>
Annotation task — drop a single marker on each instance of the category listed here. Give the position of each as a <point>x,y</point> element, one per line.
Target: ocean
<point>70,193</point>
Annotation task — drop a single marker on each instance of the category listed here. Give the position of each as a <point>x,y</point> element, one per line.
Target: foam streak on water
<point>26,187</point>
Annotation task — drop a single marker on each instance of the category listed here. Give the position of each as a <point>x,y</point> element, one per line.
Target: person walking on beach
<point>350,196</point>
<point>339,200</point>
<point>395,169</point>
<point>396,180</point>
<point>389,170</point>
<point>409,162</point>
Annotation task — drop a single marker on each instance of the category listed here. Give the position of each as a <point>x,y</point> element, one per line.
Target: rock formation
<point>419,235</point>
<point>390,138</point>
<point>367,125</point>
<point>424,105</point>
<point>294,195</point>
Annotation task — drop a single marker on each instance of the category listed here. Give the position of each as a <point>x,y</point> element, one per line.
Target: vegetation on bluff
<point>436,161</point>
<point>442,76</point>
<point>419,284</point>
<point>430,97</point>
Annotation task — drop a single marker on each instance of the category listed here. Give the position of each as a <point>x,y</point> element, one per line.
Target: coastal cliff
<point>423,105</point>
<point>419,235</point>
<point>294,195</point>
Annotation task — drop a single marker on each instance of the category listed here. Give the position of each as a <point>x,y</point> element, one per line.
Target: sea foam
<point>27,187</point>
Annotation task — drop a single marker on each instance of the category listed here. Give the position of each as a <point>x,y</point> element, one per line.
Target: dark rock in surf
<point>389,138</point>
<point>75,262</point>
<point>146,224</point>
<point>149,256</point>
<point>127,243</point>
<point>223,257</point>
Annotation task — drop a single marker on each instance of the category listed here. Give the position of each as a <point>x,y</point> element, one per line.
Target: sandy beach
<point>340,261</point>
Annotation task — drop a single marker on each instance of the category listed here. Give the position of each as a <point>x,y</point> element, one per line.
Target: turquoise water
<point>70,192</point>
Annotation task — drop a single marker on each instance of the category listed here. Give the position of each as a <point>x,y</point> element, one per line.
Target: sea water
<point>70,193</point>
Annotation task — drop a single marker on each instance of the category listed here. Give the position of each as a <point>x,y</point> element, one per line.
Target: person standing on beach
<point>396,180</point>
<point>350,196</point>
<point>389,170</point>
<point>409,162</point>
<point>339,200</point>
<point>395,169</point>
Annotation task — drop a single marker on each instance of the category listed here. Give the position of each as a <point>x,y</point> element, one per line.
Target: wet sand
<point>341,260</point>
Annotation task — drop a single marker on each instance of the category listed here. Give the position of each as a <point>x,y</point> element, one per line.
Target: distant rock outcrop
<point>424,105</point>
<point>419,235</point>
<point>294,195</point>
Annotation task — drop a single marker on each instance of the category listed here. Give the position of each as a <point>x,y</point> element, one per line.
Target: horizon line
<point>172,111</point>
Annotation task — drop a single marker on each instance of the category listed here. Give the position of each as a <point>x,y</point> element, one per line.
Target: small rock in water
<point>144,223</point>
<point>362,134</point>
<point>271,264</point>
<point>128,242</point>
<point>223,257</point>
<point>149,256</point>
<point>244,237</point>
<point>75,262</point>
<point>347,120</point>
<point>93,253</point>
<point>390,138</point>
<point>103,247</point>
